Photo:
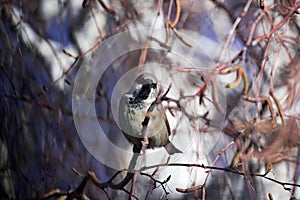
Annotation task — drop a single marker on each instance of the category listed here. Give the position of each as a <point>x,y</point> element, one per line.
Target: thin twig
<point>262,99</point>
<point>198,187</point>
<point>283,184</point>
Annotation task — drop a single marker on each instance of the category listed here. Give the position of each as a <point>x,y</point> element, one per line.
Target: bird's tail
<point>171,149</point>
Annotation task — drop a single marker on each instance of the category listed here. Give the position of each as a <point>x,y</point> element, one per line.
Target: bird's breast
<point>157,129</point>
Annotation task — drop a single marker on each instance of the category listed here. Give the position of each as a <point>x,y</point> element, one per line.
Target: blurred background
<point>45,43</point>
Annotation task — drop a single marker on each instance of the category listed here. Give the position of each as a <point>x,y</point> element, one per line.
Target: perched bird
<point>141,119</point>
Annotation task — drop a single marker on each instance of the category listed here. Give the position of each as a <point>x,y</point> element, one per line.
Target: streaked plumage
<point>134,108</point>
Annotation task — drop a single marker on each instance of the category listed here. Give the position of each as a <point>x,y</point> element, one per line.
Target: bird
<point>142,120</point>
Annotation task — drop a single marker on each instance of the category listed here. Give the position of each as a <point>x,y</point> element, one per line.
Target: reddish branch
<point>78,192</point>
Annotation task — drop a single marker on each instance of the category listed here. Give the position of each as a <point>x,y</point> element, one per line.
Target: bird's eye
<point>154,85</point>
<point>144,92</point>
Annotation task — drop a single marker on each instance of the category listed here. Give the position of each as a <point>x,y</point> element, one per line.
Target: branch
<point>283,184</point>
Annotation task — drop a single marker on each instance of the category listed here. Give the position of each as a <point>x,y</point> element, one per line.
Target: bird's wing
<point>123,112</point>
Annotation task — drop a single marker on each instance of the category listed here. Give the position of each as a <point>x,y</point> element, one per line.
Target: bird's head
<point>144,89</point>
